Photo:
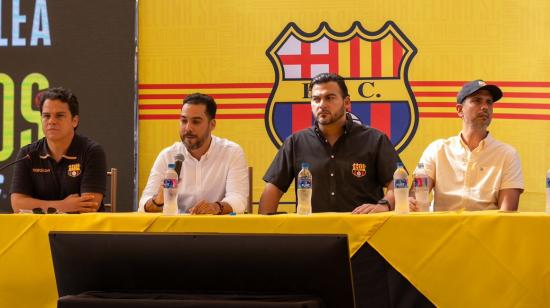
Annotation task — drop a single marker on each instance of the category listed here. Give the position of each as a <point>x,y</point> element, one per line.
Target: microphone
<point>28,156</point>
<point>179,161</point>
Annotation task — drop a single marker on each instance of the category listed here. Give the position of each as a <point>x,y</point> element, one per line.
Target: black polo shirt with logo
<point>346,175</point>
<point>81,170</point>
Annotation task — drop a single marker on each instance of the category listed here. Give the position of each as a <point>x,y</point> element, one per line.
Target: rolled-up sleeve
<point>236,186</point>
<point>155,179</point>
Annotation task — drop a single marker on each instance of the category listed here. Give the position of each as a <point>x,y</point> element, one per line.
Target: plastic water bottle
<point>401,190</point>
<point>548,191</point>
<point>304,189</point>
<point>421,188</point>
<point>170,191</point>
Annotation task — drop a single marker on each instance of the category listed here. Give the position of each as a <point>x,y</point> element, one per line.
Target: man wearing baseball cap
<point>473,171</point>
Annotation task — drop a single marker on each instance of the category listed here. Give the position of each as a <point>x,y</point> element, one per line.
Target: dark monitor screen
<point>187,263</point>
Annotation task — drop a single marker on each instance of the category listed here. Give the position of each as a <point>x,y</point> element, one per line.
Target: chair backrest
<point>111,206</point>
<point>250,189</point>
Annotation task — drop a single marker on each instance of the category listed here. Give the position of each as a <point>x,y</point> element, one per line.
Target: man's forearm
<point>390,196</point>
<point>156,202</point>
<point>24,202</point>
<point>269,201</point>
<point>508,199</point>
<point>153,205</point>
<point>267,207</point>
<point>32,203</point>
<point>391,200</point>
<point>86,202</point>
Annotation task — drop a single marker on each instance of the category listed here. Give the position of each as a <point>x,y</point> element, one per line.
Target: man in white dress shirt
<point>214,173</point>
<point>473,171</point>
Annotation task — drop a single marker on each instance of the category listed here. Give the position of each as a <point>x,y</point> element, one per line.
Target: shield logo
<point>374,64</point>
<point>73,170</point>
<point>359,170</point>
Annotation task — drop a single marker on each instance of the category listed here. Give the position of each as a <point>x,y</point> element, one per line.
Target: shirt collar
<point>486,141</point>
<point>349,123</point>
<point>347,127</point>
<point>482,144</point>
<point>71,153</point>
<point>213,142</point>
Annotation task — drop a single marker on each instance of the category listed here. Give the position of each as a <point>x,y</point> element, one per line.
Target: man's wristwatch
<point>384,202</point>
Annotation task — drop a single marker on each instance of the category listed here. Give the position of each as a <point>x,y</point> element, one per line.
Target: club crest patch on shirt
<point>359,170</point>
<point>74,170</point>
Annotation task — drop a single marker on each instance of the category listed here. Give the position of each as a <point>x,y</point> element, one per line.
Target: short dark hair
<point>62,94</point>
<point>202,99</point>
<point>328,77</point>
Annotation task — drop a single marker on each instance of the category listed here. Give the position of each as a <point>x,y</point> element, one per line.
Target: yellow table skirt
<point>467,259</point>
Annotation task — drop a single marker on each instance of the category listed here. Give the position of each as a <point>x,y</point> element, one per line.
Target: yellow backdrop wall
<point>221,48</point>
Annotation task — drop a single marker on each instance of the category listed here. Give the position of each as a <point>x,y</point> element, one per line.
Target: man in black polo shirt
<point>64,171</point>
<point>350,163</point>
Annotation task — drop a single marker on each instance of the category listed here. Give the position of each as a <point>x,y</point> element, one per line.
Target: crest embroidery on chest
<point>73,170</point>
<point>359,170</point>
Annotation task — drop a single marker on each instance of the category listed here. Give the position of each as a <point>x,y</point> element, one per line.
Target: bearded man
<point>214,172</point>
<point>350,163</point>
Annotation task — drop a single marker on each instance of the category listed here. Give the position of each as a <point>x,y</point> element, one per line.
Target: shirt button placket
<point>332,181</point>
<point>198,179</point>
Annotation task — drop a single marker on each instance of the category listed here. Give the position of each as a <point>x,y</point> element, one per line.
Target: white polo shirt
<point>467,179</point>
<point>220,175</point>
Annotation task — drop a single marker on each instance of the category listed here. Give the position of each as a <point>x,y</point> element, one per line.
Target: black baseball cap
<point>476,85</point>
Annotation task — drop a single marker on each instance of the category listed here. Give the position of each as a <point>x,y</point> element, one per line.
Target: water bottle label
<point>170,183</point>
<point>304,183</point>
<point>421,182</point>
<point>547,182</point>
<point>400,183</point>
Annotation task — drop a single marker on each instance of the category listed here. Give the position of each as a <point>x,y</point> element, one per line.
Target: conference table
<point>455,259</point>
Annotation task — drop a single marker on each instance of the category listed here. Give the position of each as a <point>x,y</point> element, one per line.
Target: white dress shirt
<point>467,179</point>
<point>220,175</point>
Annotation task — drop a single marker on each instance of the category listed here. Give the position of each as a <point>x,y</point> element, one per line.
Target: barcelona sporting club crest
<point>374,64</point>
<point>73,170</point>
<point>359,170</point>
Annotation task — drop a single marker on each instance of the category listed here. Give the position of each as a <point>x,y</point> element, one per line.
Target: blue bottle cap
<point>171,166</point>
<point>305,166</point>
<point>399,165</point>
